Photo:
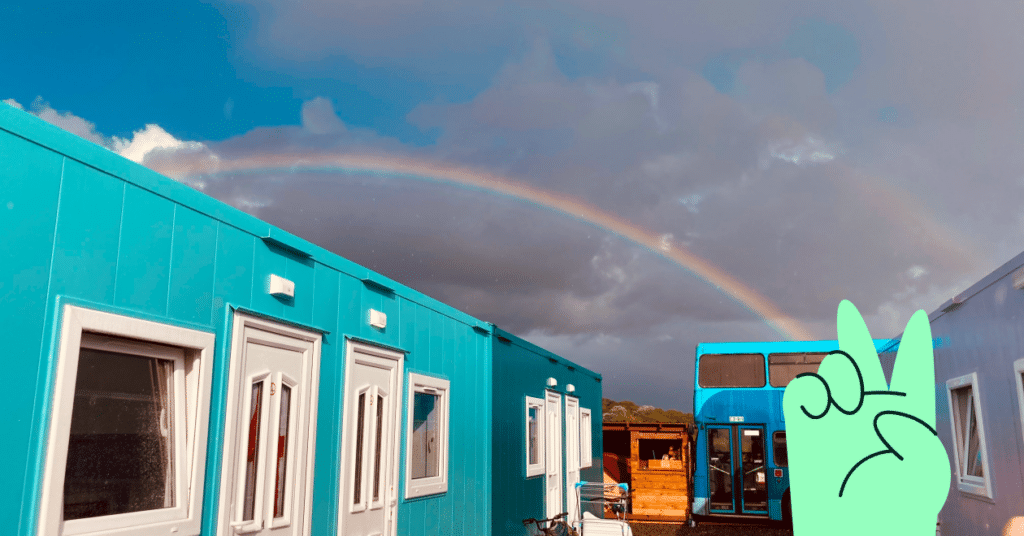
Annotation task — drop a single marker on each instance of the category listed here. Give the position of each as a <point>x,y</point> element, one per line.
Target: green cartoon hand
<point>865,459</point>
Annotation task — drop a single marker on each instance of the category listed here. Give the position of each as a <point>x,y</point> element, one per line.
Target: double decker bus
<point>741,468</point>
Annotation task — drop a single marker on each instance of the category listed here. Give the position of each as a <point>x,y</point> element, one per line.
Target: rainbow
<point>661,245</point>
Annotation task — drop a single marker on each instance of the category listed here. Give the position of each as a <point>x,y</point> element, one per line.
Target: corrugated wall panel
<point>88,230</point>
<point>28,215</point>
<point>301,272</point>
<point>234,270</point>
<point>440,345</point>
<point>144,260</point>
<point>266,261</point>
<point>152,247</point>
<point>232,287</point>
<point>328,449</point>
<point>521,369</point>
<point>194,250</point>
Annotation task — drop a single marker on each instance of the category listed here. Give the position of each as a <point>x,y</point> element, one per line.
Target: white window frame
<point>586,438</point>
<point>430,385</point>
<point>534,469</point>
<point>966,483</point>
<point>191,380</point>
<point>1018,369</point>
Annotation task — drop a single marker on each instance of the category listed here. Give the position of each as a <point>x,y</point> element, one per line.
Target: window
<point>968,435</point>
<point>782,368</point>
<point>427,437</point>
<point>127,443</point>
<point>781,454</point>
<point>586,439</point>
<point>731,370</point>
<point>534,436</point>
<point>1018,369</point>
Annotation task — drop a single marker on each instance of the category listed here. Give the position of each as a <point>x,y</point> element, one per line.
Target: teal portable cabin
<point>547,433</point>
<point>180,367</point>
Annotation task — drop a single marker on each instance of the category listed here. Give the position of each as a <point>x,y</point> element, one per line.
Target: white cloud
<point>69,122</point>
<point>143,142</point>
<point>149,139</point>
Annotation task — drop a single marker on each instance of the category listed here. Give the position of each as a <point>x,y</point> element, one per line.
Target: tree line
<point>627,411</point>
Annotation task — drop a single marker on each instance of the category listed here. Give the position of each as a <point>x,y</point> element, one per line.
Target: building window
<point>427,437</point>
<point>968,433</point>
<point>779,449</point>
<point>1018,369</point>
<point>586,439</point>
<point>534,436</point>
<point>127,446</point>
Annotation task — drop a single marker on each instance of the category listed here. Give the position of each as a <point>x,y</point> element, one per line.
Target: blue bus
<point>740,466</point>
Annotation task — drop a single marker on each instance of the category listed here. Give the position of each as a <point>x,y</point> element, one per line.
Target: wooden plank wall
<point>660,488</point>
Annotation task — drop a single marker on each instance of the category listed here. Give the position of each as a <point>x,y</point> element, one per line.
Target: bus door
<point>736,469</point>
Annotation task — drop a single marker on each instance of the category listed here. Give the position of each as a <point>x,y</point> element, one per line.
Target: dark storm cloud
<point>815,151</point>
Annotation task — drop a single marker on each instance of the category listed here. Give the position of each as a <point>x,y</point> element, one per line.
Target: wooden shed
<point>641,454</point>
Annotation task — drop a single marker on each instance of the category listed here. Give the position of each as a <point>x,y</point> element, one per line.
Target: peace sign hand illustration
<point>864,458</point>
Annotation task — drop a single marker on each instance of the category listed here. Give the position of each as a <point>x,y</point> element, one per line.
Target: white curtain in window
<point>161,374</point>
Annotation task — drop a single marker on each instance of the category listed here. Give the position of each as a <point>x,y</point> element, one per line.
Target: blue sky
<point>813,151</point>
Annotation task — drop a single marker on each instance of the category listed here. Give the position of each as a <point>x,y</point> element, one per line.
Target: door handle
<point>238,526</point>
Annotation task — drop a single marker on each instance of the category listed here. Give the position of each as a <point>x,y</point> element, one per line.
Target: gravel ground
<point>709,529</point>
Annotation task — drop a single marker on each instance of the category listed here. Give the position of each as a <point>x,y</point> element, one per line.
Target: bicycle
<point>556,526</point>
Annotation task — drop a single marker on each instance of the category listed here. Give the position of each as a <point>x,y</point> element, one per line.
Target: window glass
<point>252,450</point>
<point>121,448</point>
<point>357,493</point>
<point>731,370</point>
<point>282,450</point>
<point>779,449</point>
<point>782,368</point>
<point>424,439</point>
<point>534,431</point>
<point>377,448</point>
<point>968,438</point>
<point>534,446</point>
<point>586,439</point>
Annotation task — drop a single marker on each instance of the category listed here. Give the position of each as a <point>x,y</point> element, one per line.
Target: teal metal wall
<point>521,369</point>
<point>81,225</point>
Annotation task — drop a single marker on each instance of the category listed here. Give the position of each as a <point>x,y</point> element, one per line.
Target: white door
<point>267,477</point>
<point>369,446</point>
<point>553,448</point>
<point>572,456</point>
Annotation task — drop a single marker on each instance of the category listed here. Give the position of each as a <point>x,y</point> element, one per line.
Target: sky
<point>613,181</point>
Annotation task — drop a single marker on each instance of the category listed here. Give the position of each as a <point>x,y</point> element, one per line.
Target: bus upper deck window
<point>731,370</point>
<point>782,368</point>
<point>779,448</point>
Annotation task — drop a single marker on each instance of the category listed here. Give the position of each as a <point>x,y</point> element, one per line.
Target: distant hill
<point>626,411</point>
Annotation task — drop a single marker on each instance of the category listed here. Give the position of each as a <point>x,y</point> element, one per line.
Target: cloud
<point>670,154</point>
<point>786,180</point>
<point>149,139</point>
<point>810,150</point>
<point>143,143</point>
<point>69,122</point>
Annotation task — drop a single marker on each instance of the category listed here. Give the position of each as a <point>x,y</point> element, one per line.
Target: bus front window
<point>731,370</point>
